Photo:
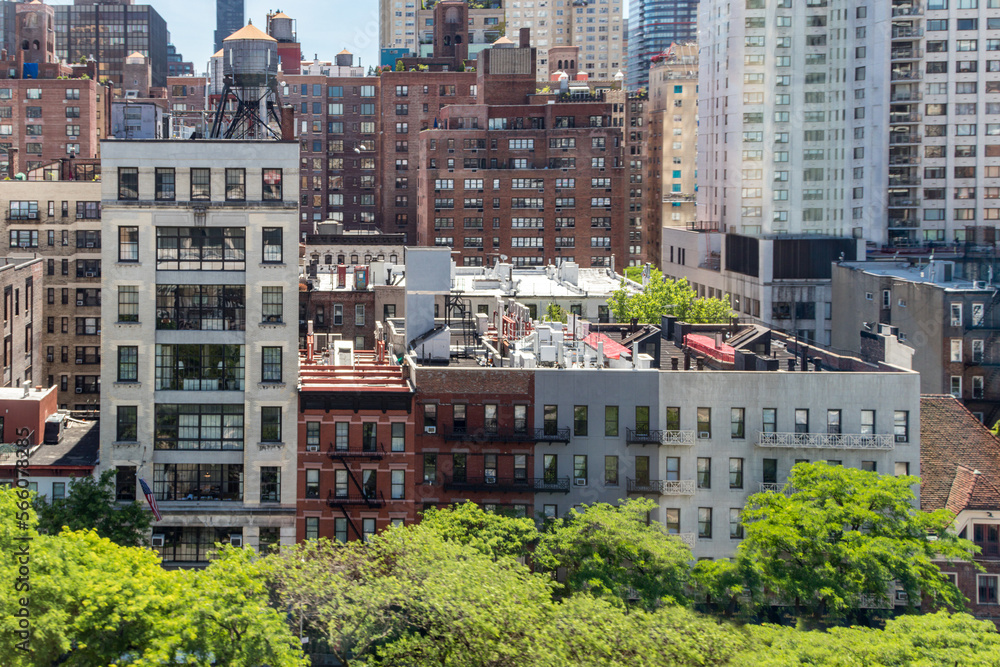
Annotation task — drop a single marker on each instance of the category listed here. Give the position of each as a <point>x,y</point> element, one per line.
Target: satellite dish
<point>503,257</point>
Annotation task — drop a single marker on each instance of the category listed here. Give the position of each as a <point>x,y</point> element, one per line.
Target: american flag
<point>150,499</point>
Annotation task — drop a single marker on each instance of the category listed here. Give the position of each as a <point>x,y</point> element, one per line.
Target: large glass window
<point>673,419</point>
<point>551,419</point>
<point>206,427</point>
<point>270,484</point>
<point>610,420</point>
<point>611,471</point>
<point>737,422</point>
<point>901,425</point>
<point>704,422</point>
<point>197,481</point>
<point>398,437</point>
<point>705,522</point>
<point>201,248</point>
<point>200,367</point>
<point>769,418</point>
<point>550,468</point>
<point>580,420</point>
<point>128,303</point>
<point>203,307</point>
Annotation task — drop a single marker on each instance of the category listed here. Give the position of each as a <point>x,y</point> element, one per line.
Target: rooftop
<point>566,280</point>
<point>933,272</point>
<point>959,458</point>
<point>341,368</point>
<point>79,446</point>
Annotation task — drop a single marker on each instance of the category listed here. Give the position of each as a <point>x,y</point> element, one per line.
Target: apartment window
<point>737,422</point>
<point>833,421</point>
<point>520,418</point>
<point>204,248</point>
<point>128,363</point>
<point>642,470</point>
<point>236,184</point>
<point>901,425</point>
<point>704,473</point>
<point>704,422</point>
<point>312,434</point>
<point>359,314</point>
<point>127,423</point>
<point>867,422</point>
<point>673,416</point>
<point>128,183</point>
<point>270,424</point>
<point>270,484</point>
<point>270,364</point>
<point>550,468</point>
<point>956,314</point>
<point>580,470</point>
<point>672,520</point>
<point>125,483</point>
<point>735,473</point>
<point>580,420</point>
<point>869,466</point>
<point>956,386</point>
<point>201,184</point>
<point>430,418</point>
<point>611,471</point>
<point>312,483</point>
<point>902,468</point>
<point>312,522</point>
<point>735,524</point>
<point>271,184</point>
<point>705,522</point>
<point>190,426</point>
<point>272,299</point>
<point>550,423</point>
<point>165,184</point>
<point>770,471</point>
<point>128,244</point>
<point>987,585</point>
<point>801,420</point>
<point>611,420</point>
<point>398,434</point>
<point>398,485</point>
<point>272,238</point>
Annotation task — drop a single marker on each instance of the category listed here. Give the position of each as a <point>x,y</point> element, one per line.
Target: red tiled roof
<point>706,345</point>
<point>959,457</point>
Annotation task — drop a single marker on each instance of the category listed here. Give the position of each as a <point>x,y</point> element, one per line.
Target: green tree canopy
<point>489,533</point>
<point>90,503</point>
<point>838,535</point>
<point>665,296</point>
<point>615,553</point>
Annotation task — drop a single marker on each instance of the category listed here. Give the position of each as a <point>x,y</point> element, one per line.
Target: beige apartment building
<point>673,135</point>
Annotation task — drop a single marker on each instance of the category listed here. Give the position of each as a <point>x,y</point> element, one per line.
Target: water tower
<point>250,80</point>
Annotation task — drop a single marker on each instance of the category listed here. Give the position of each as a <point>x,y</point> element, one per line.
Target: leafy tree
<point>399,65</point>
<point>590,632</point>
<point>840,534</point>
<point>614,553</point>
<point>227,619</point>
<point>665,296</point>
<point>489,533</point>
<point>555,313</point>
<point>91,503</point>
<point>720,583</point>
<point>926,640</point>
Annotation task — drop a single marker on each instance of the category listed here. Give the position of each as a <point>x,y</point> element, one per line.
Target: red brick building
<point>340,300</point>
<point>476,439</point>
<point>356,448</point>
<point>960,471</point>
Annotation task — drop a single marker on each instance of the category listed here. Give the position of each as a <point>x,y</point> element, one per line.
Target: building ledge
<point>271,385</point>
<point>271,445</point>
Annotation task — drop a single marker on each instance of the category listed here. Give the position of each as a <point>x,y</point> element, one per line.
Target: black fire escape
<point>357,494</point>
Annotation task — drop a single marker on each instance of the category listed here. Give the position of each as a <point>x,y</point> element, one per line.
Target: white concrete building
<point>200,344</point>
<point>793,105</point>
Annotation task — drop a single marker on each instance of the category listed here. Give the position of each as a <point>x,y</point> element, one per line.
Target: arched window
<point>447,40</point>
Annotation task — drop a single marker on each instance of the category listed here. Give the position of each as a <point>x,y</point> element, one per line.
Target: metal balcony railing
<point>505,484</point>
<point>907,33</point>
<point>658,437</point>
<point>679,487</point>
<point>910,75</point>
<point>492,433</point>
<point>903,202</point>
<point>906,96</point>
<point>904,138</point>
<point>826,440</point>
<point>773,487</point>
<point>370,452</point>
<point>372,499</point>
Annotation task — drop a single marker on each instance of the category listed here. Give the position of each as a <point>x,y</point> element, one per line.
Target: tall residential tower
<point>228,19</point>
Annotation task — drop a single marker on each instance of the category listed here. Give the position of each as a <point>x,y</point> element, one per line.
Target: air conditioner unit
<point>490,480</point>
<point>90,245</point>
<point>90,274</point>
<point>79,390</point>
<point>79,303</point>
<point>49,357</point>
<point>900,438</point>
<point>902,596</point>
<point>430,429</point>
<point>79,361</point>
<point>25,244</point>
<point>312,448</point>
<point>705,435</point>
<point>580,482</point>
<point>158,540</point>
<point>236,540</point>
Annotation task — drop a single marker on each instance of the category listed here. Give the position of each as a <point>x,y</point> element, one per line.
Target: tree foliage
<point>489,533</point>
<point>615,553</point>
<point>839,535</point>
<point>555,313</point>
<point>90,503</point>
<point>665,296</point>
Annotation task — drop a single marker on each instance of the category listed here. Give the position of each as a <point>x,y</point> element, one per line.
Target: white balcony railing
<point>774,487</point>
<point>677,437</point>
<point>686,538</point>
<point>681,487</point>
<point>826,440</point>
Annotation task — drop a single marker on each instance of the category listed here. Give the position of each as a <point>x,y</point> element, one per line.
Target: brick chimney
<point>288,123</point>
<point>13,162</point>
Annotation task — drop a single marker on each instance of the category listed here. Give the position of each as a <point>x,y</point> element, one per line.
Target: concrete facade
<point>203,435</point>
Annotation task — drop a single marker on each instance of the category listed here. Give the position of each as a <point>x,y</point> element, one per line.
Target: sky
<point>324,26</point>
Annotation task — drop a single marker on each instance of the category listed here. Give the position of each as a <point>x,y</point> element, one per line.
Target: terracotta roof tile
<point>959,457</point>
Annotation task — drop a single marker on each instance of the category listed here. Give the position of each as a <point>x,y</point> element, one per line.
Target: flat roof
<point>921,272</point>
<point>80,446</point>
<point>530,283</point>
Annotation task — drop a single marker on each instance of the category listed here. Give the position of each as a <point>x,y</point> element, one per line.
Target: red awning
<point>612,350</point>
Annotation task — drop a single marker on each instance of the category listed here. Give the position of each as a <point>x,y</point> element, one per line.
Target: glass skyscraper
<point>652,26</point>
<point>228,19</point>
